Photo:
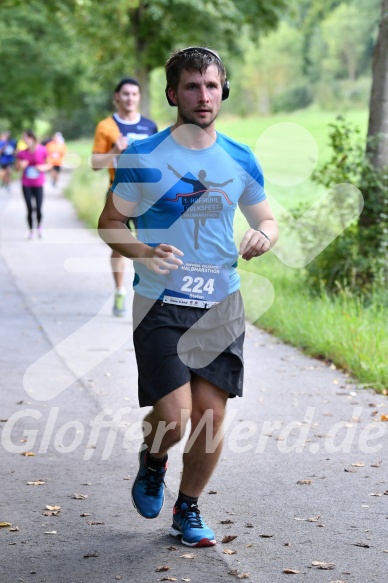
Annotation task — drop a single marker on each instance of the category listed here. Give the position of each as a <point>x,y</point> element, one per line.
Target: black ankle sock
<point>156,462</point>
<point>189,500</point>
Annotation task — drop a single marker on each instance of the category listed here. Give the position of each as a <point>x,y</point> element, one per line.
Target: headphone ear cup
<point>169,100</point>
<point>225,90</point>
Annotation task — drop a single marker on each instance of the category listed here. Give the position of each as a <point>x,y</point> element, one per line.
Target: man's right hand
<point>162,259</point>
<point>120,144</point>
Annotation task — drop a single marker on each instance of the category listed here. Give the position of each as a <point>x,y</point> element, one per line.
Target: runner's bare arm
<point>105,160</point>
<point>263,233</point>
<point>113,230</point>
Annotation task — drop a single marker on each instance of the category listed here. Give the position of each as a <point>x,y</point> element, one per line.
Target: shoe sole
<point>204,542</point>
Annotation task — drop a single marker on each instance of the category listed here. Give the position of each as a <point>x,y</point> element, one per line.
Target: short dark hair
<point>192,59</point>
<point>125,81</point>
<point>31,134</point>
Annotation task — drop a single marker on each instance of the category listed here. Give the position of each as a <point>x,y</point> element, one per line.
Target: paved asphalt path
<point>303,474</point>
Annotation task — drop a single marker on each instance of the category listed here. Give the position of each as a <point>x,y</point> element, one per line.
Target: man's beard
<point>203,125</point>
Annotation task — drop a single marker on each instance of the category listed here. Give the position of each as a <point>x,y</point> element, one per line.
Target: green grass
<point>88,188</point>
<point>342,330</point>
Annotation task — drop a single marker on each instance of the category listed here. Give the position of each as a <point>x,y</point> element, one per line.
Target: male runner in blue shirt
<point>188,316</point>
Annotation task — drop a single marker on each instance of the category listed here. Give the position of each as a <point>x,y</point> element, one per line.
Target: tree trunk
<point>378,111</point>
<point>377,144</point>
<point>142,70</point>
<point>143,76</point>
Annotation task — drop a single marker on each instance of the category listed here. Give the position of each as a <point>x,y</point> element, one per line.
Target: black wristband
<point>265,235</point>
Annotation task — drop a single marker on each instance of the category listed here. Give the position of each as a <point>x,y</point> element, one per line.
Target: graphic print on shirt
<point>204,202</point>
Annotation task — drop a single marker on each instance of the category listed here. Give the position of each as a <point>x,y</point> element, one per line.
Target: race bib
<point>197,285</point>
<point>32,172</point>
<point>9,150</point>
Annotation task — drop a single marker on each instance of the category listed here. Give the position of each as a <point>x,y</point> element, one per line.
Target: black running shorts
<point>174,342</point>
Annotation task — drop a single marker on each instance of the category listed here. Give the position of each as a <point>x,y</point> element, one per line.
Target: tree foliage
<point>139,35</point>
<point>40,66</point>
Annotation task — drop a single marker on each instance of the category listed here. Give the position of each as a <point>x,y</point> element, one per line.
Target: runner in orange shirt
<point>112,135</point>
<point>56,150</point>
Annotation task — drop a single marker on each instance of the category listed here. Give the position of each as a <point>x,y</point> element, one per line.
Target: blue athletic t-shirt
<point>8,148</point>
<point>188,198</point>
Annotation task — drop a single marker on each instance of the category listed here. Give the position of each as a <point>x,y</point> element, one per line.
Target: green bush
<point>357,259</point>
<point>293,98</point>
<point>342,94</point>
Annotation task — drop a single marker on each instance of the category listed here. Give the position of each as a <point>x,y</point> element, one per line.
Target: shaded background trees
<point>60,60</point>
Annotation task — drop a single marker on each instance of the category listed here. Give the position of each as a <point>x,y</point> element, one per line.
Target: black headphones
<point>226,86</point>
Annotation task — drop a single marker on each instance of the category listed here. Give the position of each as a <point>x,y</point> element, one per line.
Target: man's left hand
<point>253,244</point>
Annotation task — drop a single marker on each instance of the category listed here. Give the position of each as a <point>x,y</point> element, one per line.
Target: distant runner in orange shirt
<point>56,150</point>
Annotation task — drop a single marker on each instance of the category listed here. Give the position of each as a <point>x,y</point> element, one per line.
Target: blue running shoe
<point>189,524</point>
<point>148,488</point>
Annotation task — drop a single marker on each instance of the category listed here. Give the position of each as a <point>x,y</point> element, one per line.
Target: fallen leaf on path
<point>376,464</point>
<point>266,535</point>
<point>86,484</point>
<point>94,522</point>
<point>36,483</point>
<point>5,524</point>
<point>364,545</point>
<point>228,538</point>
<point>310,519</point>
<point>249,525</point>
<point>304,482</point>
<point>53,507</point>
<point>239,575</point>
<point>90,555</point>
<point>249,546</point>
<point>79,496</point>
<point>127,478</point>
<point>51,532</point>
<point>14,529</point>
<point>168,579</point>
<point>321,565</point>
<point>172,548</point>
<point>118,577</point>
<point>384,417</point>
<point>212,492</point>
<point>28,453</point>
<point>50,512</point>
<point>376,494</point>
<point>227,521</point>
<point>13,543</point>
<point>162,568</point>
<point>358,465</point>
<point>229,552</point>
<point>188,556</point>
<point>85,514</point>
<point>291,571</point>
<point>185,579</point>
